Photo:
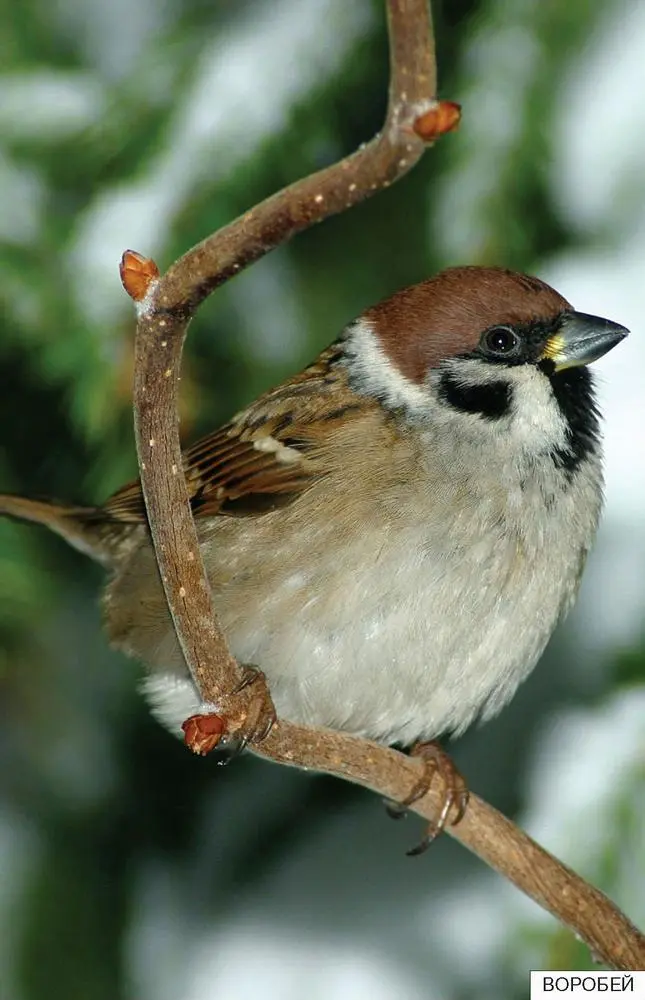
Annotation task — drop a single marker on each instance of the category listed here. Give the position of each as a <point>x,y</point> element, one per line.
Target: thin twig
<point>486,832</point>
<point>165,307</point>
<point>414,119</point>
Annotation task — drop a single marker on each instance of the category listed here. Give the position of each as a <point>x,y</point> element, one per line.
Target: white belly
<point>399,637</point>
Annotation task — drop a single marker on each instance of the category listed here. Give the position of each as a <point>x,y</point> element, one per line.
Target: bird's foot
<point>436,762</point>
<point>262,715</point>
<point>244,717</point>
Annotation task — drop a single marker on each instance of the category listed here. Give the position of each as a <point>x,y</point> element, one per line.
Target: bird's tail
<point>88,529</point>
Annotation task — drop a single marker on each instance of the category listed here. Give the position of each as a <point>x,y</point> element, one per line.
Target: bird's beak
<point>582,339</point>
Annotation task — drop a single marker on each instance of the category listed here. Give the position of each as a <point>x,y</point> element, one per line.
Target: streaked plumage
<point>392,534</point>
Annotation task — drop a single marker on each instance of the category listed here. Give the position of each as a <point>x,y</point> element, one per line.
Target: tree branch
<point>165,306</point>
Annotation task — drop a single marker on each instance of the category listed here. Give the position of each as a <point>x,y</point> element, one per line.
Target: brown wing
<point>266,455</point>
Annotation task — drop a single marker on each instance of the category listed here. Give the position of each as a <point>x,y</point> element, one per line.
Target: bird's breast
<point>400,631</point>
<point>390,625</point>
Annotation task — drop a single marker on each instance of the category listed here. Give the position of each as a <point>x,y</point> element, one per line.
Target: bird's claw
<point>250,675</point>
<point>436,761</point>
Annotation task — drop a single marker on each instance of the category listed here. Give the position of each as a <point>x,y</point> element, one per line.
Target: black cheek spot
<point>490,401</point>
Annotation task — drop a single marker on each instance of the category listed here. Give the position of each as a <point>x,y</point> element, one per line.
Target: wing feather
<point>266,455</point>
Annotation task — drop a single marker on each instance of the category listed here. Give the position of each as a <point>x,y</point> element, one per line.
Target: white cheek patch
<point>374,374</point>
<point>534,423</point>
<point>535,415</point>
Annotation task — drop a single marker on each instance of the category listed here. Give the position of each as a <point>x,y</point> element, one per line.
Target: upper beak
<point>582,339</point>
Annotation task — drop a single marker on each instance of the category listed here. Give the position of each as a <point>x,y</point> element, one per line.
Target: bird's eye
<point>500,340</point>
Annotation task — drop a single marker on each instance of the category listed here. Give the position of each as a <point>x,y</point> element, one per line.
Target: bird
<point>392,535</point>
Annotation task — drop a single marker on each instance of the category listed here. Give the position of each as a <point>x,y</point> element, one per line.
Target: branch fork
<point>239,710</point>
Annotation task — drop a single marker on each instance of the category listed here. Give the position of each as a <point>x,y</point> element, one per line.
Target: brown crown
<point>446,315</point>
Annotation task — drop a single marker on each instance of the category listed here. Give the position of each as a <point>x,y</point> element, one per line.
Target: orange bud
<point>202,733</point>
<point>137,272</point>
<point>443,117</point>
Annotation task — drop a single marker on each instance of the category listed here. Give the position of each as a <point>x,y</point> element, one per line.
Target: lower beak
<point>582,339</point>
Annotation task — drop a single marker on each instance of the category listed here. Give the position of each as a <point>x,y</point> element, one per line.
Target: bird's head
<point>475,347</point>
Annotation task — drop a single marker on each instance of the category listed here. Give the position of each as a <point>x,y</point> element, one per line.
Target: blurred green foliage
<point>104,792</point>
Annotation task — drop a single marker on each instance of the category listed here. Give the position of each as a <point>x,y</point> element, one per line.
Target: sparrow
<point>392,534</point>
